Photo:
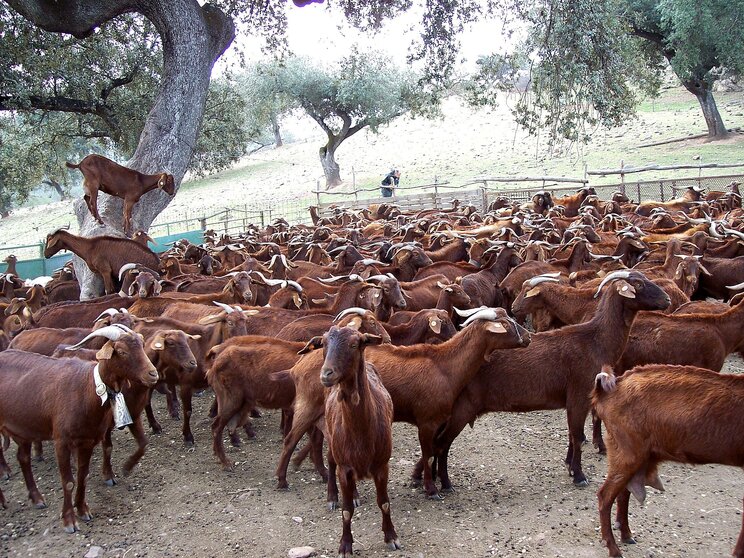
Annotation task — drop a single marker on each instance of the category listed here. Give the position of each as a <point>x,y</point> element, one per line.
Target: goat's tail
<point>71,165</point>
<point>605,382</point>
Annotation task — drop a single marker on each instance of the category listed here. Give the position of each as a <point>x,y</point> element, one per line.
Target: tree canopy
<point>364,90</point>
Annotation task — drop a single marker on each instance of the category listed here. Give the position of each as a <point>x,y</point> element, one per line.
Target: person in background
<point>389,183</point>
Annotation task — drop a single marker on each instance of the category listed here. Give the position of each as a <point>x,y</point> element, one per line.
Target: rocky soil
<point>513,498</point>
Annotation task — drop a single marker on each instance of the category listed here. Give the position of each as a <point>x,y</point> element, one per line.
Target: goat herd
<point>421,318</point>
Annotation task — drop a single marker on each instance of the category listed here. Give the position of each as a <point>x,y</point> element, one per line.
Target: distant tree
<point>590,61</point>
<point>362,91</point>
<point>264,104</point>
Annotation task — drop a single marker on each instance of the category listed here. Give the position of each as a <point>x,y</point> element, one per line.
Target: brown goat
<point>664,413</point>
<point>42,398</point>
<point>557,370</point>
<point>100,173</point>
<point>358,407</point>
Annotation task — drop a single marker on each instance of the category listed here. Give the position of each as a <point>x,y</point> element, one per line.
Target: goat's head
<point>501,331</point>
<point>343,349</point>
<point>391,291</point>
<point>456,294</point>
<point>172,349</point>
<point>122,358</point>
<point>363,321</point>
<point>167,184</point>
<point>145,285</point>
<point>639,292</point>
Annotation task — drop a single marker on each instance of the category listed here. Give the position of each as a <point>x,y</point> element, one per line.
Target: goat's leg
<point>316,452</point>
<point>302,422</point>
<point>4,468</point>
<point>332,485</point>
<point>426,439</point>
<point>738,549</point>
<point>93,205</point>
<point>186,393</point>
<point>2,500</point>
<point>597,439</point>
<point>170,396</point>
<point>621,518</point>
<point>606,496</point>
<point>106,469</point>
<point>383,502</point>
<point>84,452</point>
<point>62,450</point>
<point>24,460</point>
<point>128,205</point>
<point>348,487</point>
<point>138,432</point>
<point>38,451</point>
<point>152,421</point>
<point>218,447</point>
<point>442,458</point>
<point>576,419</point>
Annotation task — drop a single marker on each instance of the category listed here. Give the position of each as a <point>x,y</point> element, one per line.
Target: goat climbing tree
<point>193,38</point>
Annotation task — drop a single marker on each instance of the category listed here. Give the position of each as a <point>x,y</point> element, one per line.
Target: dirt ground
<point>513,498</point>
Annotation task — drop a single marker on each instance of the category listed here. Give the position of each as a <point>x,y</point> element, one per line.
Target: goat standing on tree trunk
<point>100,173</point>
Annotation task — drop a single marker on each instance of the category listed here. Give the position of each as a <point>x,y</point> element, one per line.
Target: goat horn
<point>107,312</point>
<point>295,285</point>
<point>734,232</point>
<point>611,277</point>
<point>377,278</point>
<point>225,307</point>
<point>736,287</point>
<point>370,261</point>
<point>112,333</point>
<point>489,314</point>
<point>333,278</point>
<point>272,261</point>
<point>125,268</point>
<point>353,310</point>
<point>469,311</point>
<point>535,281</point>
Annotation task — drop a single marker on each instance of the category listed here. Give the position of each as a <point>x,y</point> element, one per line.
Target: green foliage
<point>363,90</point>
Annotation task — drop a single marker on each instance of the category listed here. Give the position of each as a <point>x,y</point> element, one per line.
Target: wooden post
<point>203,223</point>
<point>436,194</point>
<point>484,196</point>
<point>317,193</point>
<point>353,179</point>
<point>661,190</point>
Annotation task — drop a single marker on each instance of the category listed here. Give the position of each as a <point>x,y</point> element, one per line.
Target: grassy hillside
<point>465,143</point>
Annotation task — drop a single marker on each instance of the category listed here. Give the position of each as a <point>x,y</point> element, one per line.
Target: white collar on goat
<point>122,417</point>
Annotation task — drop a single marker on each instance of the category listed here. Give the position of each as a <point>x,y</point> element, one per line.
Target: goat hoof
<point>332,506</point>
<point>394,545</point>
<point>235,442</point>
<point>435,496</point>
<point>5,476</point>
<point>416,483</point>
<point>86,517</point>
<point>110,482</point>
<point>630,540</point>
<point>157,430</point>
<point>282,485</point>
<point>39,458</point>
<point>447,489</point>
<point>227,468</point>
<point>357,502</point>
<point>583,483</point>
<point>70,529</point>
<point>40,505</point>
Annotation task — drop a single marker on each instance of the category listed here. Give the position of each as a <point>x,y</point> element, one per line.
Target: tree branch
<point>77,17</point>
<point>656,38</point>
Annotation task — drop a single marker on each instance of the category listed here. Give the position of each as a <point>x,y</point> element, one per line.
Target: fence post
<point>317,192</point>
<point>227,217</point>
<point>353,179</point>
<point>661,190</point>
<point>436,193</point>
<point>484,196</point>
<point>203,223</point>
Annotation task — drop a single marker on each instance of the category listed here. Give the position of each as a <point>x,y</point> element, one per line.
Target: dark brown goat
<point>358,407</point>
<point>100,173</point>
<point>664,413</point>
<point>42,398</point>
<point>557,370</point>
<point>423,380</point>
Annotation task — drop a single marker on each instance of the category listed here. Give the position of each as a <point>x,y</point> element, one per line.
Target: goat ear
<point>193,336</point>
<point>314,343</point>
<point>625,289</point>
<point>436,325</point>
<point>495,327</point>
<point>371,339</point>
<point>441,285</point>
<point>157,288</point>
<point>355,323</point>
<point>532,292</point>
<point>211,319</point>
<point>158,343</point>
<point>105,352</point>
<point>131,289</point>
<point>404,256</point>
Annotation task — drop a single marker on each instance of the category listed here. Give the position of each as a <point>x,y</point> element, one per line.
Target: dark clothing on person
<point>389,181</point>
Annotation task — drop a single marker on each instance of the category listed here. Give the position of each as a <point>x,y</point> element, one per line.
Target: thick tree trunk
<point>278,142</point>
<point>704,93</point>
<point>330,167</point>
<point>193,38</point>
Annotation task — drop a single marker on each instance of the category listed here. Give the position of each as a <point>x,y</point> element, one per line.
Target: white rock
<point>94,552</point>
<point>302,552</point>
<point>297,519</point>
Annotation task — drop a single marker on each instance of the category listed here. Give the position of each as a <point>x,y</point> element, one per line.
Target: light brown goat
<point>664,413</point>
<point>100,173</point>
